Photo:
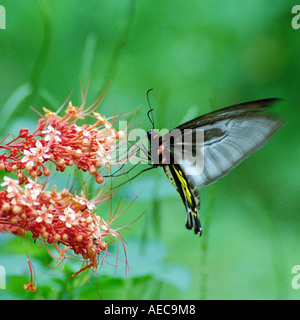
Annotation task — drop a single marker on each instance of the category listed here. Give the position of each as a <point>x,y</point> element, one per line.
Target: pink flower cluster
<point>60,141</point>
<point>59,218</point>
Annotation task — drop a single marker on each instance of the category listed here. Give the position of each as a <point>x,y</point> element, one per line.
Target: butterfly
<point>227,137</point>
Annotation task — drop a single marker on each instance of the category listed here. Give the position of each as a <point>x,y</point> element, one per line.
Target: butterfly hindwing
<point>189,194</point>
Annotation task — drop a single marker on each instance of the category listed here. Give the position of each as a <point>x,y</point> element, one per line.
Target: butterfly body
<point>227,137</point>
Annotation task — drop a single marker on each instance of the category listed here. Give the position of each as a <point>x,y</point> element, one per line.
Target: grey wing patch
<point>241,137</point>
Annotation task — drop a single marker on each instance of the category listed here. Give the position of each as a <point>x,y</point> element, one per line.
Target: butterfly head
<point>157,148</point>
<point>154,137</point>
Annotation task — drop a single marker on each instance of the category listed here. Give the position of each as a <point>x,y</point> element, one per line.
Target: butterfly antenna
<point>151,119</point>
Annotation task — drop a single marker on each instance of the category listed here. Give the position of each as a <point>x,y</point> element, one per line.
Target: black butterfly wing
<point>230,135</point>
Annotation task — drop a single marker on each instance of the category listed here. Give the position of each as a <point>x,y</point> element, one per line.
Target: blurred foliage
<point>198,56</point>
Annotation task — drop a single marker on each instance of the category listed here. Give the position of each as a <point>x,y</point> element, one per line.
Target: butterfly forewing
<point>229,138</point>
<point>239,110</point>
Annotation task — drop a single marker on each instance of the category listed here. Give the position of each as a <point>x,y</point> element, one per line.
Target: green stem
<point>121,43</point>
<point>31,87</point>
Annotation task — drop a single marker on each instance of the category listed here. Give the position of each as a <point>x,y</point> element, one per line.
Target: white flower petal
<point>38,144</point>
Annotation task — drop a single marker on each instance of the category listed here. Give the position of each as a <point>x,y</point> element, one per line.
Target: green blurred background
<point>198,56</point>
